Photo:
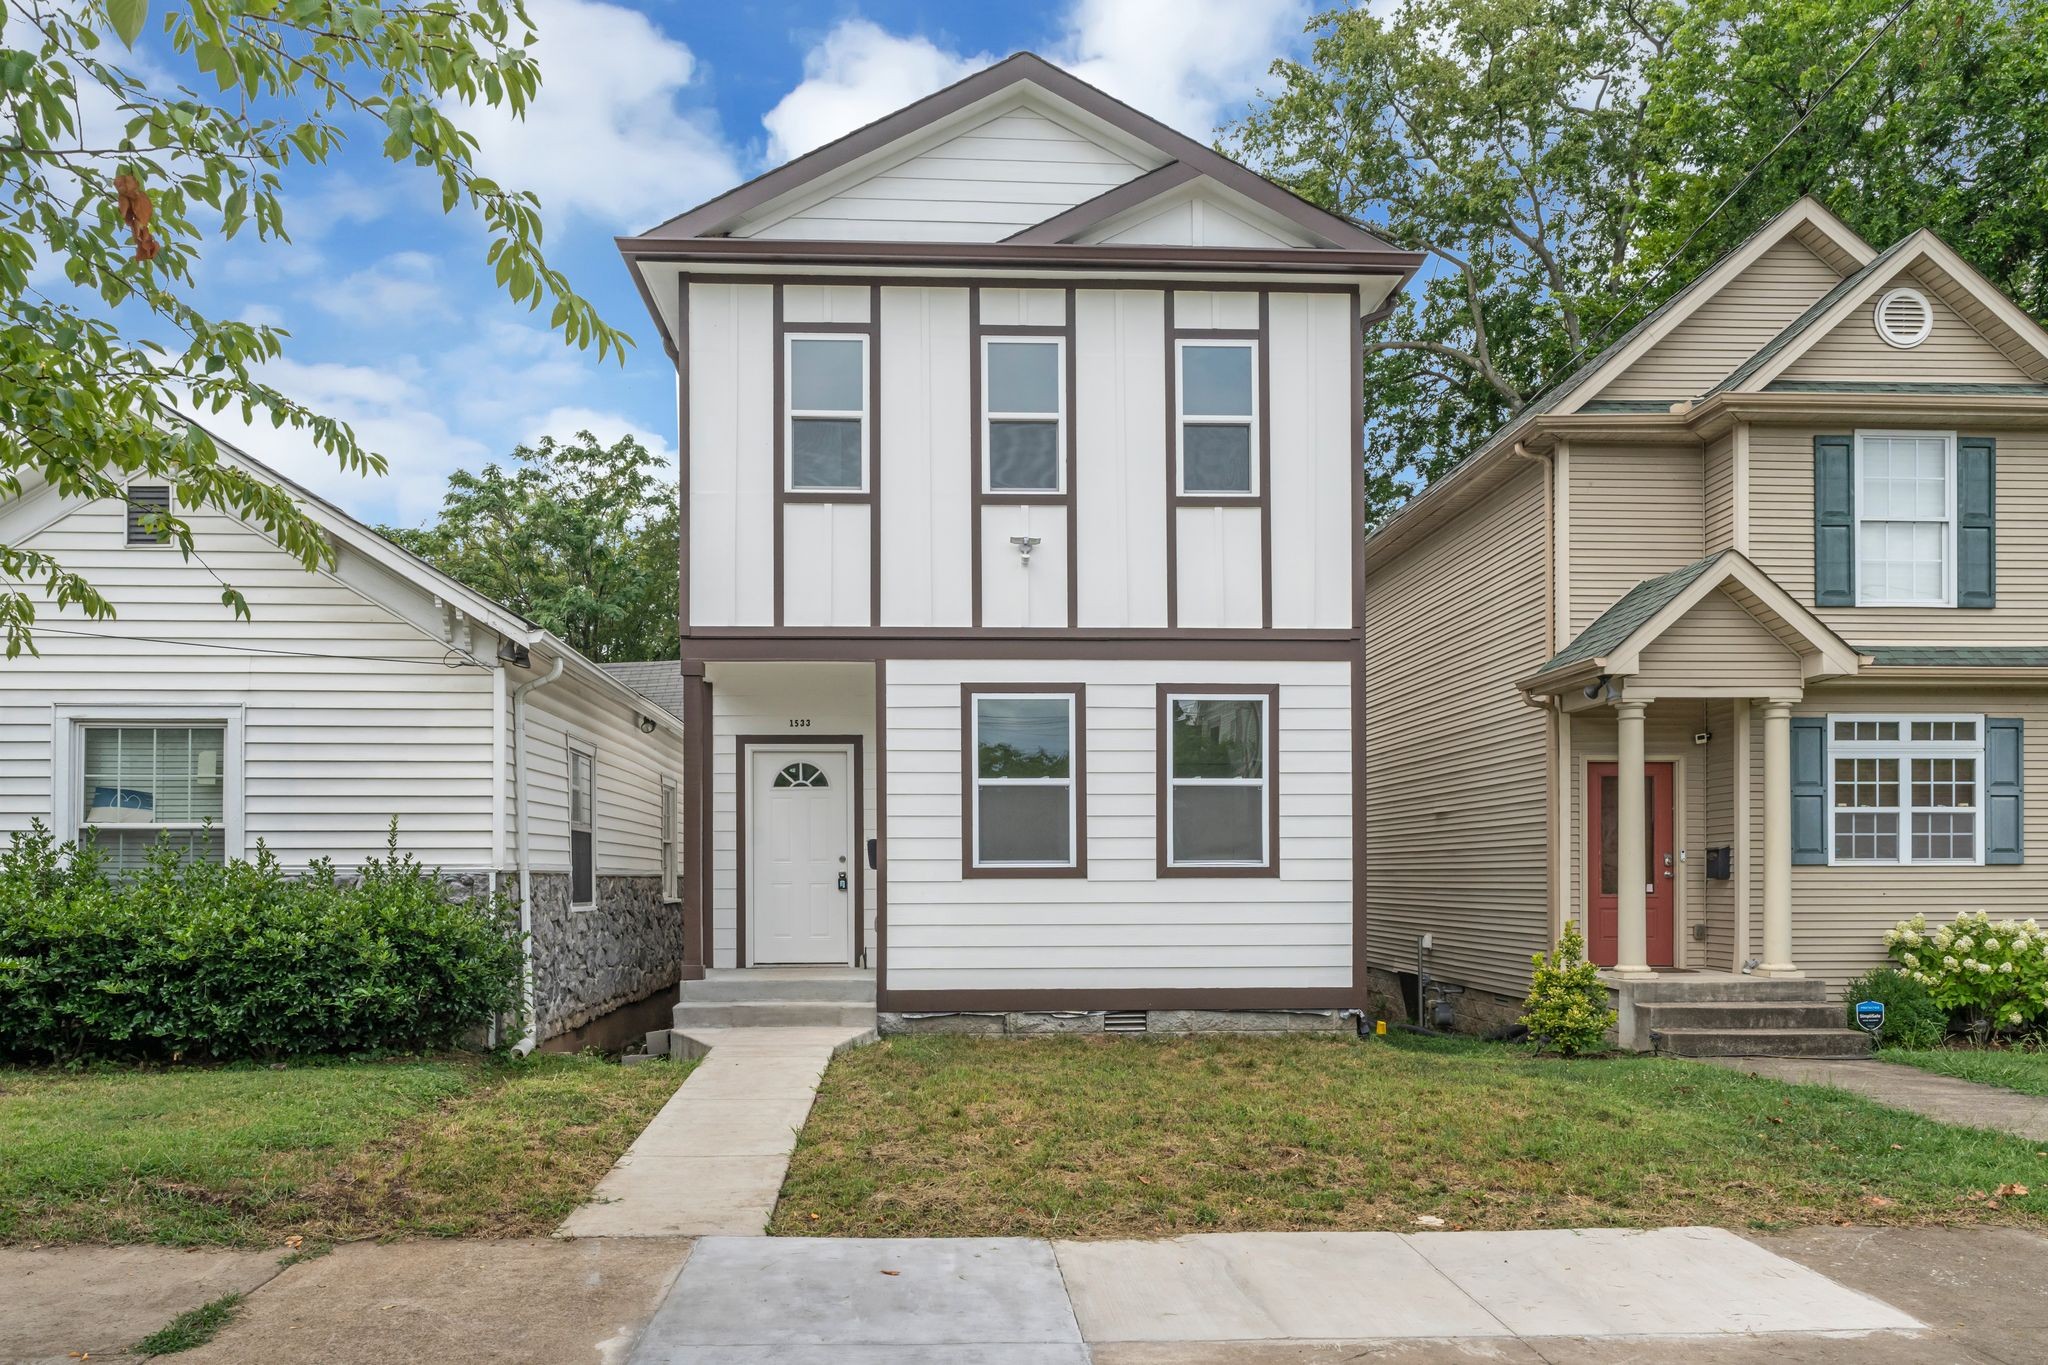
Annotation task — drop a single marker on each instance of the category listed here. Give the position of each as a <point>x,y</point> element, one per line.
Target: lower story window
<point>582,850</point>
<point>1218,792</point>
<point>138,783</point>
<point>1026,774</point>
<point>1906,789</point>
<point>669,869</point>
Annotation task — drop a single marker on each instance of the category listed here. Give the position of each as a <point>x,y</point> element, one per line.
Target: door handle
<point>842,881</point>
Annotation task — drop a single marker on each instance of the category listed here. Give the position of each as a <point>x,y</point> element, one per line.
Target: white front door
<point>800,863</point>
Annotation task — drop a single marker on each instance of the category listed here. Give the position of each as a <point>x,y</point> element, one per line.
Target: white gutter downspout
<point>520,855</point>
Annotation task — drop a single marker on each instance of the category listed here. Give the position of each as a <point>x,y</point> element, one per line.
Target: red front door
<point>1603,862</point>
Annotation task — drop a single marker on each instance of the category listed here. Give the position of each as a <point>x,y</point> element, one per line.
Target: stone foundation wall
<point>590,962</point>
<point>1474,1011</point>
<point>1024,1023</point>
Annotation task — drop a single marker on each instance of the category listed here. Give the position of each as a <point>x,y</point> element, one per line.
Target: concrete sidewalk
<point>711,1162</point>
<point>1287,1296</point>
<point>1945,1099</point>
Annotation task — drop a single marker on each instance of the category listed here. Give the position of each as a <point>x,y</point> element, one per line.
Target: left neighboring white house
<point>376,689</point>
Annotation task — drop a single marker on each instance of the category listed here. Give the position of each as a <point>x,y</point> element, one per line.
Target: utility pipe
<point>521,855</point>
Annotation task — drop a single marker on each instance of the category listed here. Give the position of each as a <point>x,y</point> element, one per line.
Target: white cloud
<point>854,75</point>
<point>1191,64</point>
<point>402,289</point>
<point>605,137</point>
<point>564,422</point>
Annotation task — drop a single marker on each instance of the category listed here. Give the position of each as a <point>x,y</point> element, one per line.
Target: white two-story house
<point>1022,565</point>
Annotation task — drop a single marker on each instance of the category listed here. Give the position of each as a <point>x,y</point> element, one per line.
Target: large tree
<point>576,535</point>
<point>1569,164</point>
<point>115,185</point>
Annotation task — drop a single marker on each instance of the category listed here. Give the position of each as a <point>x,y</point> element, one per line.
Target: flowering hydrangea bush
<point>1996,968</point>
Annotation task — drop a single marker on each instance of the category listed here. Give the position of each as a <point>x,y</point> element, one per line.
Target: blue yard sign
<point>1870,1016</point>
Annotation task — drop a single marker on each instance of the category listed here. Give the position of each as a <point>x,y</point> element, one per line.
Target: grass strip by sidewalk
<point>2026,1072</point>
<point>194,1327</point>
<point>1113,1137</point>
<point>248,1156</point>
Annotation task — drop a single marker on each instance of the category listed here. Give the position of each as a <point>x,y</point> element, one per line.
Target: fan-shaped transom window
<point>801,775</point>
<point>1904,318</point>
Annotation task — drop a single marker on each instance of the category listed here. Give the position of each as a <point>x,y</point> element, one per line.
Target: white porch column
<point>1777,850</point>
<point>1632,870</point>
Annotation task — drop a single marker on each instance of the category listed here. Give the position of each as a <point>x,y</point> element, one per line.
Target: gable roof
<point>1615,640</point>
<point>658,680</point>
<point>715,217</point>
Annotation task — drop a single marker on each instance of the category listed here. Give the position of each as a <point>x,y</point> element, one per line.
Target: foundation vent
<point>1123,1021</point>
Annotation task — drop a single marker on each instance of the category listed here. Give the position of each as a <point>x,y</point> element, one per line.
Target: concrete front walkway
<point>711,1162</point>
<point>1019,1301</point>
<point>1943,1098</point>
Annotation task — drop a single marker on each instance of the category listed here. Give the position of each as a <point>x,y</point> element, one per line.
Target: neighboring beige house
<point>1726,648</point>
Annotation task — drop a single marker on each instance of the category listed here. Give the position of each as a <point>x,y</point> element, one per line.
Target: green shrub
<point>198,960</point>
<point>1995,969</point>
<point>1911,1018</point>
<point>1567,1007</point>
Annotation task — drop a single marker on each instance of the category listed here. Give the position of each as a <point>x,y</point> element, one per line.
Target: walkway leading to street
<point>1021,1301</point>
<point>1942,1098</point>
<point>712,1161</point>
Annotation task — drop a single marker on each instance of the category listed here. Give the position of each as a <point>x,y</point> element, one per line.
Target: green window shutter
<point>1834,521</point>
<point>2004,790</point>
<point>1976,522</point>
<point>1809,789</point>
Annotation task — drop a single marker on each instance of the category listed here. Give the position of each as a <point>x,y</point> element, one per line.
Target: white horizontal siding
<point>1121,925</point>
<point>629,768</point>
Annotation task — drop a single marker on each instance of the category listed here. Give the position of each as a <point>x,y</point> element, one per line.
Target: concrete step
<point>1762,1042</point>
<point>1740,1014</point>
<point>773,1014</point>
<point>729,984</point>
<point>1723,988</point>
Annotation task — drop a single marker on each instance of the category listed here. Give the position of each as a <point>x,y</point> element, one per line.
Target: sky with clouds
<point>645,110</point>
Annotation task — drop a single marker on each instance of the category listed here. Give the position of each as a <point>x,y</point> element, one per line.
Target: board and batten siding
<point>1122,926</point>
<point>986,183</point>
<point>1119,402</point>
<point>1727,329</point>
<point>729,364</point>
<point>763,699</point>
<point>1456,761</point>
<point>630,767</point>
<point>926,542</point>
<point>1781,543</point>
<point>1954,351</point>
<point>350,715</point>
<point>1636,512</point>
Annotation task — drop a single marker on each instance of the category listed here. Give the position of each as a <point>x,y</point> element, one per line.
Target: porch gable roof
<point>1614,642</point>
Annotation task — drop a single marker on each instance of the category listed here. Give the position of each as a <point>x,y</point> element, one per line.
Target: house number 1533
<point>799,724</point>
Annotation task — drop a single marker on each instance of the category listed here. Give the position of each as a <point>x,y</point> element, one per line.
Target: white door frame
<point>745,747</point>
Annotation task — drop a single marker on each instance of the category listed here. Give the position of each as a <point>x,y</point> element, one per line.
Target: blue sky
<point>646,110</point>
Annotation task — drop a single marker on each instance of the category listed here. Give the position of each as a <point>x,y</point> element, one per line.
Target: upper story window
<point>1023,399</point>
<point>1218,426</point>
<point>1905,789</point>
<point>1905,519</point>
<point>827,403</point>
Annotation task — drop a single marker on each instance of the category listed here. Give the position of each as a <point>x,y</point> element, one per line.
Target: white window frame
<point>1905,750</point>
<point>1264,782</point>
<point>671,829</point>
<point>1182,419</point>
<point>990,416</point>
<point>69,723</point>
<point>1070,781</point>
<point>573,747</point>
<point>791,413</point>
<point>1948,553</point>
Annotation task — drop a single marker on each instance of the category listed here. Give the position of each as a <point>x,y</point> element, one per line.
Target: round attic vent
<point>1904,318</point>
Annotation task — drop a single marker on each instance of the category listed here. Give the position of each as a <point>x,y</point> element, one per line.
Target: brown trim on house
<point>781,473</point>
<point>1095,998</point>
<point>1039,280</point>
<point>1361,917</point>
<point>874,464</point>
<point>1358,481</point>
<point>799,646</point>
<point>968,692</point>
<point>1036,329</point>
<point>1220,333</point>
<point>1265,435</point>
<point>984,84</point>
<point>998,255</point>
<point>1172,363</point>
<point>965,633</point>
<point>743,816</point>
<point>681,356</point>
<point>881,962</point>
<point>828,328</point>
<point>1062,227</point>
<point>1269,760</point>
<point>1072,428</point>
<point>1218,500</point>
<point>794,495</point>
<point>696,797</point>
<point>974,487</point>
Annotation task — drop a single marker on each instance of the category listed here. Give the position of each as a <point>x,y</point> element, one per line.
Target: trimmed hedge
<point>198,961</point>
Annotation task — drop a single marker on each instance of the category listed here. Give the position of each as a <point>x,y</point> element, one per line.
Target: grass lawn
<point>2026,1072</point>
<point>1099,1137</point>
<point>247,1156</point>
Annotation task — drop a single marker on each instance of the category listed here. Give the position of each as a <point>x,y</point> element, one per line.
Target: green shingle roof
<point>658,680</point>
<point>1958,656</point>
<point>1625,617</point>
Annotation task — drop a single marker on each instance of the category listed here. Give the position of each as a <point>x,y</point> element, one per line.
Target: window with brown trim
<point>1023,404</point>
<point>1217,803</point>
<point>1024,771</point>
<point>827,407</point>
<point>1218,436</point>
